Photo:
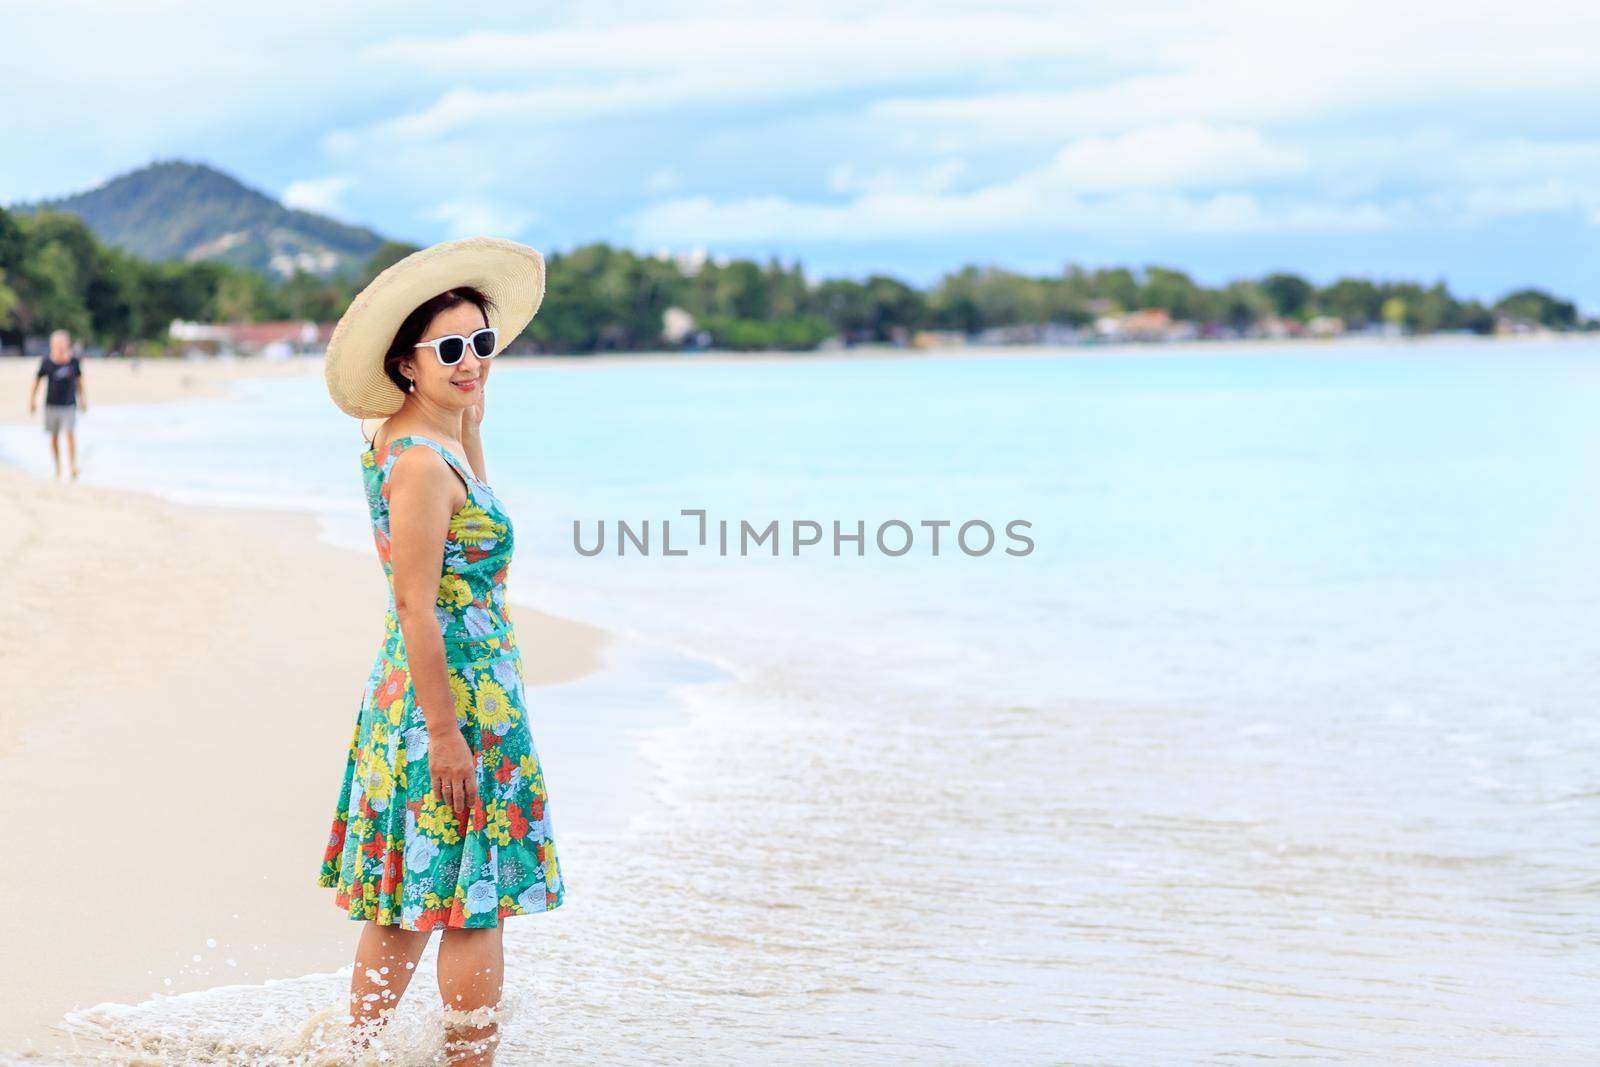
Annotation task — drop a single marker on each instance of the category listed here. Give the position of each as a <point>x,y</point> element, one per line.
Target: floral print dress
<point>397,854</point>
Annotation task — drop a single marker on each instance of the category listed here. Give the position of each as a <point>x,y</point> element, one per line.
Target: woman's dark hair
<point>410,331</point>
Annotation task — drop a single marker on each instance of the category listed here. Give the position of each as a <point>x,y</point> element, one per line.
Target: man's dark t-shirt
<point>63,384</point>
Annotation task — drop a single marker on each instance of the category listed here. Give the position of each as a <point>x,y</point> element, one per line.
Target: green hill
<point>189,211</point>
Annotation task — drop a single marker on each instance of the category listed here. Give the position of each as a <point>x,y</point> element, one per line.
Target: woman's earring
<point>413,386</point>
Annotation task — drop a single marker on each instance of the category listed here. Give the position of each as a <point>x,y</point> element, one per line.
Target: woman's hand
<point>473,415</point>
<point>453,770</point>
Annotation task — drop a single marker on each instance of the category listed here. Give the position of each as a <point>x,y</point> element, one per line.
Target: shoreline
<point>243,622</point>
<point>170,378</point>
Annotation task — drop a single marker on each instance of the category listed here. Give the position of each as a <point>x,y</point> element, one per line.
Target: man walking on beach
<point>63,397</point>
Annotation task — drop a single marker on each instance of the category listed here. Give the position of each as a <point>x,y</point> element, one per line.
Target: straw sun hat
<point>511,275</point>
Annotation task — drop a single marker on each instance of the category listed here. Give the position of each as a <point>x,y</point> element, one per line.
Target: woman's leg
<point>386,958</point>
<point>471,976</point>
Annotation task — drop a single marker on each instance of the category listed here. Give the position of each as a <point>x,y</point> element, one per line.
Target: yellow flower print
<point>498,827</point>
<point>492,705</point>
<point>552,869</point>
<point>472,524</point>
<point>462,694</point>
<point>379,779</point>
<point>361,828</point>
<point>533,774</point>
<point>454,592</point>
<point>438,820</point>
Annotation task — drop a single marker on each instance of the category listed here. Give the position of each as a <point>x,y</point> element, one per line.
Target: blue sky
<point>1405,140</point>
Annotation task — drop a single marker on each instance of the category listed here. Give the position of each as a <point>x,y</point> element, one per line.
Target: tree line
<point>54,273</point>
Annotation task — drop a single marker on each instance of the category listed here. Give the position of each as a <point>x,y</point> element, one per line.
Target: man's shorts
<point>59,417</point>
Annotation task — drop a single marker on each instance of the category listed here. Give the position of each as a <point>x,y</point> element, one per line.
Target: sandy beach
<point>179,685</point>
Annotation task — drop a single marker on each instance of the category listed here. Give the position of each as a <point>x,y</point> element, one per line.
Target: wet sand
<point>177,690</point>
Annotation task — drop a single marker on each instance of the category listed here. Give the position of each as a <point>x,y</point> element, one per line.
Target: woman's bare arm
<point>472,444</point>
<point>423,494</point>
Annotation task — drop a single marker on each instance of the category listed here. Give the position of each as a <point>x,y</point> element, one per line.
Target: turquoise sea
<point>1279,743</point>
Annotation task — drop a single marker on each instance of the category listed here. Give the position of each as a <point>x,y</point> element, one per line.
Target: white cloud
<point>1024,206</point>
<point>1180,156</point>
<point>1181,178</point>
<point>1186,177</point>
<point>936,177</point>
<point>1520,157</point>
<point>1147,117</point>
<point>1441,179</point>
<point>471,218</point>
<point>322,195</point>
<point>699,58</point>
<point>1253,63</point>
<point>663,181</point>
<point>466,111</point>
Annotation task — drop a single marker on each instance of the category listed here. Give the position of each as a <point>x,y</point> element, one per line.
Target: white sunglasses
<point>452,348</point>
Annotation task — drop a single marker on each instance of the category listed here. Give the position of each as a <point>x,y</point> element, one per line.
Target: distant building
<point>270,340</point>
<point>1149,324</point>
<point>1146,324</point>
<point>678,328</point>
<point>938,338</point>
<point>676,324</point>
<point>688,262</point>
<point>1271,326</point>
<point>1060,333</point>
<point>1023,333</point>
<point>1507,326</point>
<point>1030,333</point>
<point>320,261</point>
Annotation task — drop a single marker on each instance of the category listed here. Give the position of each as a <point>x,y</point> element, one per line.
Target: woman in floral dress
<point>442,817</point>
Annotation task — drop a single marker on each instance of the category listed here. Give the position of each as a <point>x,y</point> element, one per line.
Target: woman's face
<point>454,387</point>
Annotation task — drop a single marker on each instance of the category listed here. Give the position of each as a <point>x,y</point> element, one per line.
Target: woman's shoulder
<point>429,466</point>
<point>399,439</point>
<point>404,451</point>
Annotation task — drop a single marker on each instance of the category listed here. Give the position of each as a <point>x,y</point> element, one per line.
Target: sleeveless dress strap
<point>449,457</point>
